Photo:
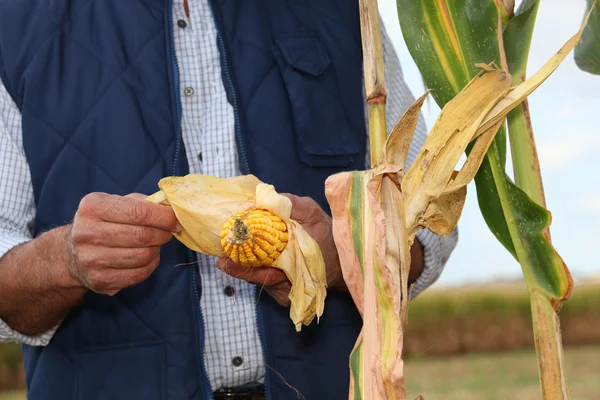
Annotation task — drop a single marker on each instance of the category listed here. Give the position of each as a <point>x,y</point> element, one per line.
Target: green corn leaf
<point>517,38</point>
<point>446,38</point>
<point>587,51</point>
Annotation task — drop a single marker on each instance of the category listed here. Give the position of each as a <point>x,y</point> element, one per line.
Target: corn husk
<point>203,204</point>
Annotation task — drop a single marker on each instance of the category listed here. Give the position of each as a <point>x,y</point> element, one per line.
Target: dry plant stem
<point>546,322</point>
<point>375,97</point>
<point>374,77</point>
<point>544,308</point>
<point>377,129</point>
<point>548,344</point>
<point>376,381</point>
<point>546,332</point>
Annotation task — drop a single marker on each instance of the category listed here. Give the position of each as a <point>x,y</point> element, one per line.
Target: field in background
<point>466,343</point>
<point>492,318</point>
<point>499,376</point>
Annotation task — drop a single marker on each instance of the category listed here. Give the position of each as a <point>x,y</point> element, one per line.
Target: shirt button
<point>229,291</point>
<point>237,361</point>
<point>200,156</point>
<point>189,91</point>
<point>181,23</point>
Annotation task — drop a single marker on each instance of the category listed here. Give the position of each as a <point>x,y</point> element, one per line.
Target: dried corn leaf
<point>428,177</point>
<point>370,235</point>
<point>400,138</point>
<point>519,93</point>
<point>443,213</point>
<point>203,204</point>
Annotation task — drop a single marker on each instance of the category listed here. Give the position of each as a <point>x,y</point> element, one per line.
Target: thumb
<point>304,209</point>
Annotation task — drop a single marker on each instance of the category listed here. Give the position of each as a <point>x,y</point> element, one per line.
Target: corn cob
<point>254,238</point>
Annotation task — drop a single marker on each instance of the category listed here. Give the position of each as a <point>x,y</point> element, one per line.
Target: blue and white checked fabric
<point>228,304</point>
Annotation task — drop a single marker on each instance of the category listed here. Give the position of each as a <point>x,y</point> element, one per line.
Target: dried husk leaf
<point>519,93</point>
<point>428,177</point>
<point>443,213</point>
<point>203,204</point>
<point>398,142</point>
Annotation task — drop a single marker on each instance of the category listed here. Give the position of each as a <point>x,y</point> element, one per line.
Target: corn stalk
<point>446,39</point>
<point>376,213</point>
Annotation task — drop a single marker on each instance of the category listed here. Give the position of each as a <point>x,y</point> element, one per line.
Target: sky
<point>565,113</point>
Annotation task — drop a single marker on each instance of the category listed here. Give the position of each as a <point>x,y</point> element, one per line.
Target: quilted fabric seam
<point>68,143</point>
<point>119,76</point>
<point>98,101</point>
<point>59,27</point>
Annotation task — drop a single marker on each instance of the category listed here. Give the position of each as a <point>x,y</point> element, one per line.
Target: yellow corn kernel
<point>254,238</point>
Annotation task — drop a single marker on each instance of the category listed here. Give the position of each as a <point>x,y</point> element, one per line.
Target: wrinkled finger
<point>101,258</point>
<point>112,281</point>
<point>130,211</point>
<point>110,234</point>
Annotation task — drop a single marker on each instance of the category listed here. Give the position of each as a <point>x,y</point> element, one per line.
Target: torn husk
<point>204,204</point>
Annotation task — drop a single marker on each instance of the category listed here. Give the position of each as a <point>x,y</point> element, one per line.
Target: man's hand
<point>115,241</point>
<point>318,225</point>
<point>112,243</point>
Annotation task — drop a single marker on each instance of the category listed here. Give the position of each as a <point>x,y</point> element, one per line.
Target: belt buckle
<point>238,394</point>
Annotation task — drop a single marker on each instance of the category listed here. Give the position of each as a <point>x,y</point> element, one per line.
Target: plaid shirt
<point>233,354</point>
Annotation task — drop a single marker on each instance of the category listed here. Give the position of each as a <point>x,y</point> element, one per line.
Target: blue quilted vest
<point>97,85</point>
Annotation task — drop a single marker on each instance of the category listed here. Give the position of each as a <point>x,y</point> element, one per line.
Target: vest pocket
<point>323,135</point>
<point>132,372</point>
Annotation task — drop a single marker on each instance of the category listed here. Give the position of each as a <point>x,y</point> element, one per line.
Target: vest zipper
<point>263,340</point>
<point>178,137</point>
<point>245,169</point>
<point>195,283</point>
<point>176,171</point>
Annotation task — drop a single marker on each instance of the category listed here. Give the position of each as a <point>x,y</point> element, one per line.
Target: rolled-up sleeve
<point>17,205</point>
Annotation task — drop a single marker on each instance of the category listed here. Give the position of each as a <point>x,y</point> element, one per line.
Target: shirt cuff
<point>9,241</point>
<point>436,252</point>
<point>7,334</point>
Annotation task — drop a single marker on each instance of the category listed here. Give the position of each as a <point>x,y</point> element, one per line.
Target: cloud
<point>556,153</point>
<point>589,204</point>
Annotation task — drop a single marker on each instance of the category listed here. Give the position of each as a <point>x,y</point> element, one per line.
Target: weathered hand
<point>115,241</point>
<point>318,225</point>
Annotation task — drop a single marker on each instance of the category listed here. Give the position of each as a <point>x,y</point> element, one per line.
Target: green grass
<point>500,376</point>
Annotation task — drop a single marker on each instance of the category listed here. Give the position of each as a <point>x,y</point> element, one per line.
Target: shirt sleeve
<point>437,249</point>
<point>17,205</point>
